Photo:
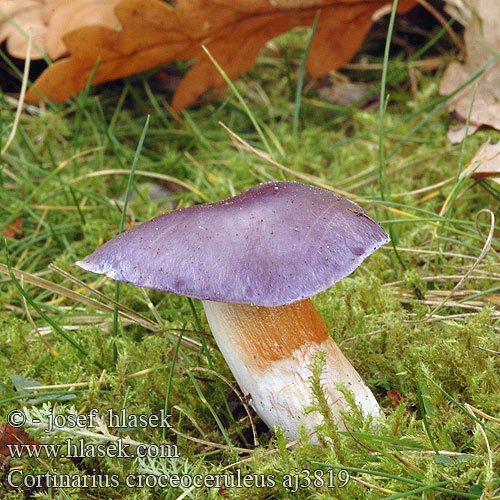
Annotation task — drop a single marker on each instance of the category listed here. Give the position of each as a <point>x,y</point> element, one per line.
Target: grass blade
<point>122,224</point>
<point>242,101</point>
<point>300,78</point>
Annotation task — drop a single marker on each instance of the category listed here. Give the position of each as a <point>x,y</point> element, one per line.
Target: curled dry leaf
<point>486,162</point>
<point>152,32</point>
<point>26,14</point>
<point>49,21</point>
<point>65,16</point>
<point>481,19</point>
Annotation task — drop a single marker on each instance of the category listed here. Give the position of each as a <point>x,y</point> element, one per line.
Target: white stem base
<point>274,371</point>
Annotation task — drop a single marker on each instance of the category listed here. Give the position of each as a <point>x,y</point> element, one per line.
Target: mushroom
<point>255,260</point>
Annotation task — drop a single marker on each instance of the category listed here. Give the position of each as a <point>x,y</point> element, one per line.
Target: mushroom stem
<point>269,351</point>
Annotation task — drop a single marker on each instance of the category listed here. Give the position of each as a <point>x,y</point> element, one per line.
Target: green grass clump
<point>66,175</point>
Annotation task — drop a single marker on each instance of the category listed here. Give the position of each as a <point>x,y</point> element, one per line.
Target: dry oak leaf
<point>486,163</point>
<point>153,32</point>
<point>482,34</point>
<point>49,21</point>
<point>64,16</point>
<point>26,14</point>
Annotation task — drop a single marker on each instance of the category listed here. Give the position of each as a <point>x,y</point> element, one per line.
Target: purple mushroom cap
<point>274,244</point>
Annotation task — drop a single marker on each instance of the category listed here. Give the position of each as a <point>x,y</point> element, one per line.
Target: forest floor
<point>429,351</point>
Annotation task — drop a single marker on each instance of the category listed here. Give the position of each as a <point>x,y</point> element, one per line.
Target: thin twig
<point>424,189</point>
<point>212,444</point>
<point>191,419</point>
<point>491,351</point>
<point>24,85</point>
<point>57,386</point>
<point>478,229</point>
<point>83,285</point>
<point>482,414</point>
<point>370,485</point>
<point>427,6</point>
<point>154,175</point>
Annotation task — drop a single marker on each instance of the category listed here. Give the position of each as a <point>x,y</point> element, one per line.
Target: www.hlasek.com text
<point>81,449</point>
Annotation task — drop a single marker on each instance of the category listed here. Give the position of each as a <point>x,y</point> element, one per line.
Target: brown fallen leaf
<point>395,397</point>
<point>63,16</point>
<point>152,32</point>
<point>456,134</point>
<point>11,436</point>
<point>49,21</point>
<point>481,19</point>
<point>485,163</point>
<point>15,229</point>
<point>27,14</point>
